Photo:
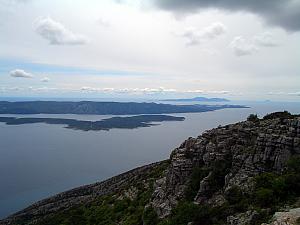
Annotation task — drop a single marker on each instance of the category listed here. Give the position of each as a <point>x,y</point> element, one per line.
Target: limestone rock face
<point>243,218</point>
<point>249,148</point>
<point>290,217</point>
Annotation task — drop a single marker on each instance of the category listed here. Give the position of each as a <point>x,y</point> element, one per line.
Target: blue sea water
<point>39,160</point>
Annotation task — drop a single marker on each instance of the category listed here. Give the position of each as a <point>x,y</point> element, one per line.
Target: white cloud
<point>103,22</point>
<point>149,91</point>
<point>223,92</point>
<point>266,39</point>
<point>128,90</point>
<point>89,89</point>
<point>20,73</point>
<point>45,79</point>
<point>57,34</point>
<point>242,47</point>
<point>295,93</point>
<point>195,36</point>
<point>43,89</point>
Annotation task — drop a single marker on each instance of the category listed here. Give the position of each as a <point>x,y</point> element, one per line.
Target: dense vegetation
<point>102,108</point>
<point>129,122</point>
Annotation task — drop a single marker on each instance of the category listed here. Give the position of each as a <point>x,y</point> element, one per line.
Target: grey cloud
<point>56,33</point>
<point>266,39</point>
<point>195,36</point>
<point>283,13</point>
<point>20,73</point>
<point>242,47</point>
<point>45,79</point>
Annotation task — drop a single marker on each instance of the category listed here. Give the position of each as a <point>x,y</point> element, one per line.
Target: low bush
<point>150,217</point>
<point>197,175</point>
<point>253,118</point>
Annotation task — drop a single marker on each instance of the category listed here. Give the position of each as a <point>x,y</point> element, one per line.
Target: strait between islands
<point>140,112</point>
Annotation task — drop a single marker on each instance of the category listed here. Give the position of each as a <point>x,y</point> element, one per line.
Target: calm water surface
<point>39,160</point>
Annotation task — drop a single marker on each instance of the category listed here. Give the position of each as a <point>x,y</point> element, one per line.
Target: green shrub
<point>165,222</point>
<point>253,118</point>
<point>234,195</point>
<point>293,184</point>
<point>218,171</point>
<point>264,197</point>
<point>279,187</point>
<point>184,212</point>
<point>265,180</point>
<point>281,115</point>
<point>294,164</point>
<point>204,216</point>
<point>197,175</point>
<point>150,216</point>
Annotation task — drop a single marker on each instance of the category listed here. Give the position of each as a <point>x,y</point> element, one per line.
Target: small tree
<point>253,118</point>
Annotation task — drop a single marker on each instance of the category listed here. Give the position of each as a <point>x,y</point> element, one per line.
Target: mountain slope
<point>236,174</point>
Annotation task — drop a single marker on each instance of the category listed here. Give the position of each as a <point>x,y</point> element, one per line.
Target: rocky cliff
<point>235,174</point>
<point>240,151</point>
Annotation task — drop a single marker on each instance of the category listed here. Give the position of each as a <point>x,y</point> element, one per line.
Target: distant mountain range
<point>103,108</point>
<point>198,99</point>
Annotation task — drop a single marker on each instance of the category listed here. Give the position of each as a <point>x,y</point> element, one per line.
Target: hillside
<point>241,173</point>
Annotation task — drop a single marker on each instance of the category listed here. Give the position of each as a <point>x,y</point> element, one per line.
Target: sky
<point>151,49</point>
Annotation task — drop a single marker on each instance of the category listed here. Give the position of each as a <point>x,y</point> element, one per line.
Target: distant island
<point>129,122</point>
<point>198,99</point>
<point>103,108</point>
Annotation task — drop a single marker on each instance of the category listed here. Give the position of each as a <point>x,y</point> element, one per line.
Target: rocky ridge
<point>250,147</point>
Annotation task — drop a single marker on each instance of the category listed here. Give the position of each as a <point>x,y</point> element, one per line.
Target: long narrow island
<point>103,108</point>
<point>129,122</point>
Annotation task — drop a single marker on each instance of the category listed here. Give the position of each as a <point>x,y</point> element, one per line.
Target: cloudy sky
<point>150,48</point>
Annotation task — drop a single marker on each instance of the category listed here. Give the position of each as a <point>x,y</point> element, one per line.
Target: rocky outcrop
<point>243,149</point>
<point>290,217</point>
<point>243,218</point>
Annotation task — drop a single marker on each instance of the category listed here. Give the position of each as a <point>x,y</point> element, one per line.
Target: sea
<point>40,160</point>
